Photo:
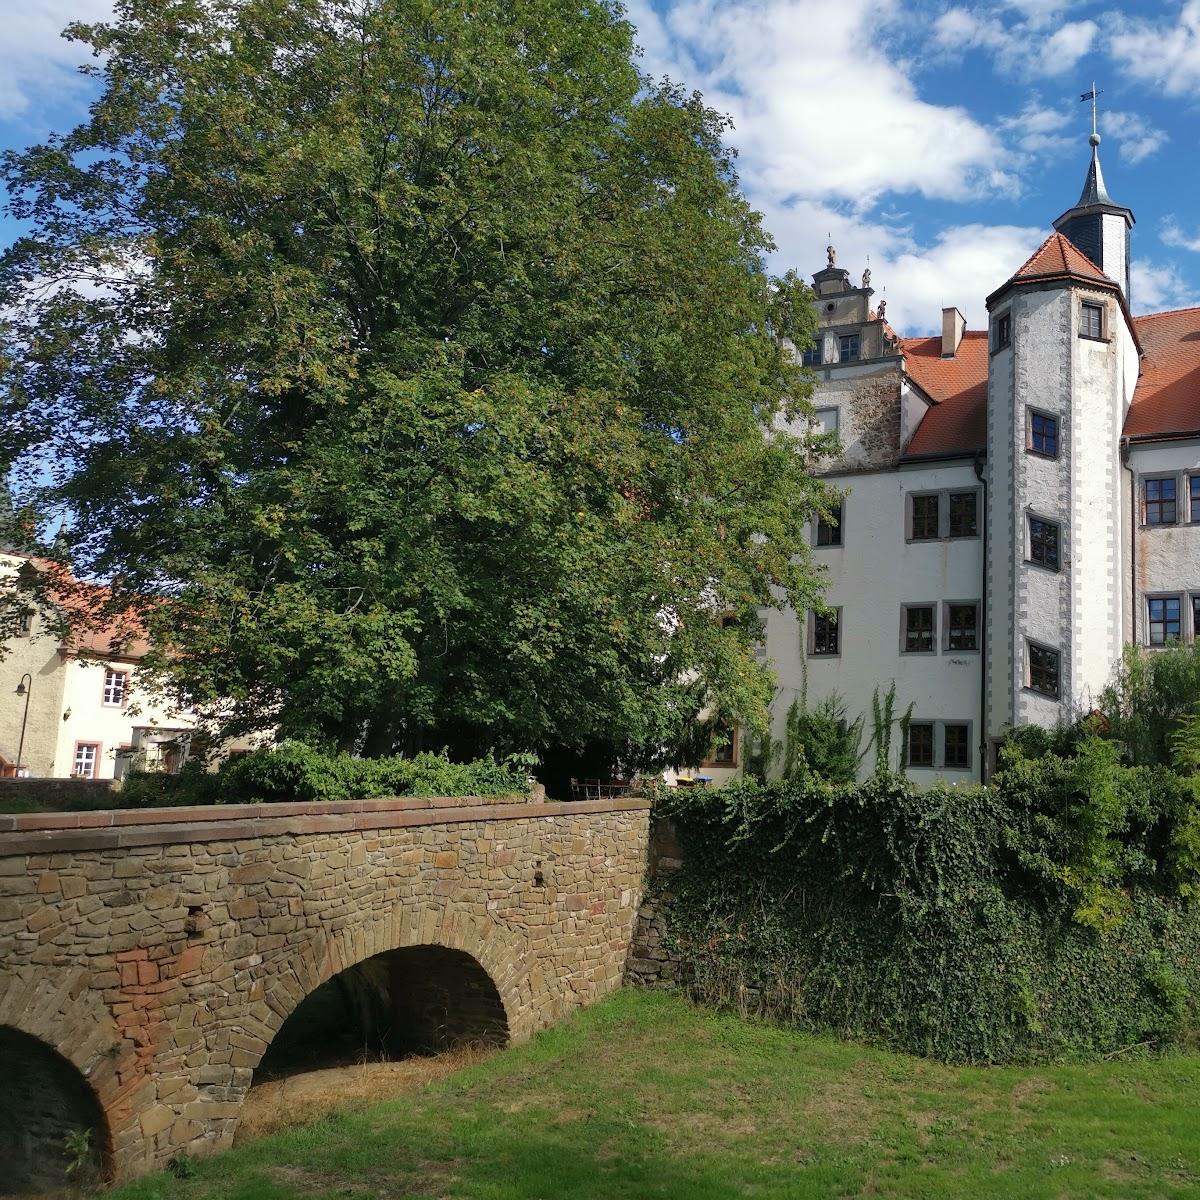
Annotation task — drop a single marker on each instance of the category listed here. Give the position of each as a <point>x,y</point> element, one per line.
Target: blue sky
<point>939,139</point>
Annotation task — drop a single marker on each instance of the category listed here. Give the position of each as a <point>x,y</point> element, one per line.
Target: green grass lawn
<point>645,1096</point>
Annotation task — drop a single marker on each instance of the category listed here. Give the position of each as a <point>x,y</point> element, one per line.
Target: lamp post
<point>23,690</point>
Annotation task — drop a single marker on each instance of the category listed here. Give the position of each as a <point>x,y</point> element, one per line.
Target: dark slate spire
<point>1094,191</point>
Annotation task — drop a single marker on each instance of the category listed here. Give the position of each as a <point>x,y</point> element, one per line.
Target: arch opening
<point>52,1129</point>
<point>412,1001</point>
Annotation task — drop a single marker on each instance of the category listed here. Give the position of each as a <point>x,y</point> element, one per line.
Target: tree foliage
<point>413,366</point>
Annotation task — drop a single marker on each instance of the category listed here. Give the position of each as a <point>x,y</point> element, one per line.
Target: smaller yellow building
<point>71,706</point>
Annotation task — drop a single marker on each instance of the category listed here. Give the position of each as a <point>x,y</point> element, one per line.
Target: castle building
<point>1018,502</point>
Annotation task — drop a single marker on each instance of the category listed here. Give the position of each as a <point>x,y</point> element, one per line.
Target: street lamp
<point>22,690</point>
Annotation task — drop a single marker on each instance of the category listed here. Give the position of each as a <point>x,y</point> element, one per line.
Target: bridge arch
<point>53,1129</point>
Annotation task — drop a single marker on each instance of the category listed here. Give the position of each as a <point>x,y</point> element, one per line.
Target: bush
<point>295,771</point>
<point>1044,916</point>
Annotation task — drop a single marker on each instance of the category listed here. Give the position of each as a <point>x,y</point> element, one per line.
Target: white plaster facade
<point>1057,416</point>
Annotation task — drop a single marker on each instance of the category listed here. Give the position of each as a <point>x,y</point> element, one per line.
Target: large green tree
<point>413,365</point>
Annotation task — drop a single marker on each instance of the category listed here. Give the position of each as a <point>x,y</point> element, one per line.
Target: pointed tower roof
<point>1094,197</point>
<point>1057,257</point>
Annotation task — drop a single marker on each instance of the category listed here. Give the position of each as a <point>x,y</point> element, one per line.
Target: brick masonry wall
<point>160,952</point>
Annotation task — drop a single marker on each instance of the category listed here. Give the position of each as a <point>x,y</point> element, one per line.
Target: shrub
<point>295,771</point>
<point>1045,916</point>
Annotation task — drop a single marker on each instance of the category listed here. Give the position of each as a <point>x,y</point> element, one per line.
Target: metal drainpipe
<point>1133,516</point>
<point>983,627</point>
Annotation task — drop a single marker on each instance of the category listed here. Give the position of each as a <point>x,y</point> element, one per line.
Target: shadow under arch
<point>407,1001</point>
<point>50,1118</point>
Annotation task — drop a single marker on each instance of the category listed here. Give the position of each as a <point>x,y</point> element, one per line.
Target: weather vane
<point>1092,97</point>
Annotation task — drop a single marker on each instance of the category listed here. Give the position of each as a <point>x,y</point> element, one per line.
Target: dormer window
<point>1002,336</point>
<point>848,347</point>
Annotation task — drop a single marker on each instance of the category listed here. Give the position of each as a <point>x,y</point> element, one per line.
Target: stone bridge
<point>152,961</point>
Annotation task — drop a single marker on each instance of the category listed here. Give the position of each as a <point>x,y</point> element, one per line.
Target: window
<point>918,629</point>
<point>1003,334</point>
<point>962,626</point>
<point>1043,670</point>
<point>813,355</point>
<point>1163,619</point>
<point>964,520</point>
<point>1194,492</point>
<point>848,347</point>
<point>829,533</point>
<point>114,687</point>
<point>24,623</point>
<point>1160,501</point>
<point>1091,321</point>
<point>924,518</point>
<point>956,745</point>
<point>920,744</point>
<point>1043,434</point>
<point>724,751</point>
<point>824,639</point>
<point>826,420</point>
<point>87,757</point>
<point>1043,543</point>
<point>1195,616</point>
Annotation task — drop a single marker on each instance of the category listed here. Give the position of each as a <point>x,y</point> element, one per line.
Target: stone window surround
<point>827,408</point>
<point>905,609</point>
<point>1184,603</point>
<point>1099,305</point>
<point>1030,644</point>
<point>735,758</point>
<point>1033,515</point>
<point>943,495</point>
<point>1181,496</point>
<point>946,649</point>
<point>111,673</point>
<point>939,745</point>
<point>811,633</point>
<point>1032,411</point>
<point>1001,332</point>
<point>94,761</point>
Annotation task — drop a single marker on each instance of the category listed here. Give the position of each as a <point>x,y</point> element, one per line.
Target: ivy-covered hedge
<point>295,771</point>
<point>1046,916</point>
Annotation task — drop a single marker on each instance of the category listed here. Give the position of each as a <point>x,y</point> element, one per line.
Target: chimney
<point>953,324</point>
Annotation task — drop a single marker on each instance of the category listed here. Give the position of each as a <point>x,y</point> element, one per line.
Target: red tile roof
<point>957,420</point>
<point>1058,256</point>
<point>1167,399</point>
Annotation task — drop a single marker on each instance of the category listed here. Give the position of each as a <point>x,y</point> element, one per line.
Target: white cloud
<point>1158,286</point>
<point>1136,138</point>
<point>1021,47</point>
<point>35,61</point>
<point>1173,235</point>
<point>743,55</point>
<point>1040,132</point>
<point>1166,53</point>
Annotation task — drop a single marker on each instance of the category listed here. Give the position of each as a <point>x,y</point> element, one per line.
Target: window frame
<point>1030,517</point>
<point>914,606</point>
<point>1101,311</point>
<point>734,757</point>
<point>97,747</point>
<point>124,699</point>
<point>1002,331</point>
<point>814,355</point>
<point>1193,494</point>
<point>931,765</point>
<point>911,516</point>
<point>1150,598</point>
<point>835,611</point>
<point>843,338</point>
<point>969,765</point>
<point>946,607</point>
<point>1144,500</point>
<point>24,623</point>
<point>951,495</point>
<point>1030,646</point>
<point>838,528</point>
<point>1032,414</point>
